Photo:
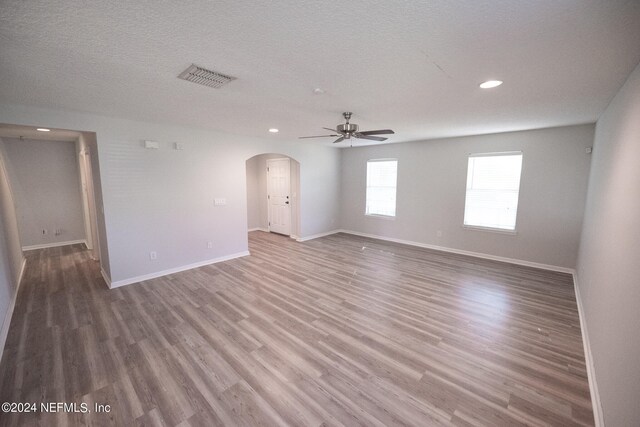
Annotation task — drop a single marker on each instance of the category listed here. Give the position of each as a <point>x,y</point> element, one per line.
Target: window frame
<point>486,228</point>
<point>376,215</point>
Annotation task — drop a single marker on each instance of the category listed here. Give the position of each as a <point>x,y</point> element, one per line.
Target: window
<point>381,187</point>
<point>493,184</point>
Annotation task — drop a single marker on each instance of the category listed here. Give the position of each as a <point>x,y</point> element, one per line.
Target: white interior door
<point>278,195</point>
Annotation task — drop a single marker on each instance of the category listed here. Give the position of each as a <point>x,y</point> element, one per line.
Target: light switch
<point>151,145</point>
<point>219,201</point>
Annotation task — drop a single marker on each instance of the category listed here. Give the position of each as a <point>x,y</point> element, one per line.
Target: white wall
<point>45,180</point>
<point>609,260</point>
<point>432,184</point>
<point>162,200</point>
<point>11,258</point>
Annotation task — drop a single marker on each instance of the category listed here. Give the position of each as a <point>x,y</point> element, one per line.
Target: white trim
<point>316,236</point>
<point>149,276</point>
<point>22,268</point>
<point>6,323</point>
<point>489,229</point>
<point>390,159</point>
<point>53,245</point>
<point>462,252</point>
<point>591,373</point>
<point>496,153</point>
<point>380,216</point>
<point>106,277</point>
<point>258,229</point>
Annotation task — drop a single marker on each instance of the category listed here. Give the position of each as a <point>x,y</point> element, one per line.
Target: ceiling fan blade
<point>377,132</point>
<point>339,140</point>
<point>333,130</point>
<point>373,138</point>
<point>317,136</point>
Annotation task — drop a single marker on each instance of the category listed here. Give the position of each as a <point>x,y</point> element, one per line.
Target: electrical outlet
<point>58,231</point>
<point>153,255</point>
<point>210,245</point>
<point>44,231</point>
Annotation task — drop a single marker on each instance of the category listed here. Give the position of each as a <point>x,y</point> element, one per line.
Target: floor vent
<point>205,77</point>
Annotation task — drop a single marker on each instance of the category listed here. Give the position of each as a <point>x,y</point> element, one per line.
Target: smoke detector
<point>202,76</point>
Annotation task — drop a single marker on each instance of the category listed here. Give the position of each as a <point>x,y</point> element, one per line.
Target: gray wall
<point>254,194</point>
<point>162,200</point>
<point>609,260</point>
<point>432,184</point>
<point>46,186</point>
<point>11,259</point>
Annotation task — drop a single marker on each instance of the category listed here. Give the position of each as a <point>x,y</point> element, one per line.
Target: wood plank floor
<point>341,330</point>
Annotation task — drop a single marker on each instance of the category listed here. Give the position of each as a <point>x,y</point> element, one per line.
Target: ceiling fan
<point>349,130</point>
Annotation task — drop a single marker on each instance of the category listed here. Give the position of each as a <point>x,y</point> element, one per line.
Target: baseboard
<point>462,252</point>
<point>106,277</point>
<point>316,236</point>
<point>150,276</point>
<point>22,268</point>
<point>53,245</point>
<point>591,374</point>
<point>6,323</point>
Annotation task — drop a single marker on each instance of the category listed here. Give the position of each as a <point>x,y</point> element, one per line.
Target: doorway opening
<point>53,179</point>
<point>273,194</point>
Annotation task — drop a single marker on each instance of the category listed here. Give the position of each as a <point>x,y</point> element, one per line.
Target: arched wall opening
<point>260,206</point>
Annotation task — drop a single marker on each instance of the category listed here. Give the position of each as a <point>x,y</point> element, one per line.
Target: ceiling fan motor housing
<point>347,129</point>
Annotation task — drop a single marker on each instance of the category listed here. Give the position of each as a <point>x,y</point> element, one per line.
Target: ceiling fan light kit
<point>348,130</point>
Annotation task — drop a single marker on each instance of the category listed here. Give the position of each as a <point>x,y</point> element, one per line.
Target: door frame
<point>87,184</point>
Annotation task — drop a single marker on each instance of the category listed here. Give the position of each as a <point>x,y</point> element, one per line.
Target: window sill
<point>490,229</point>
<point>387,217</point>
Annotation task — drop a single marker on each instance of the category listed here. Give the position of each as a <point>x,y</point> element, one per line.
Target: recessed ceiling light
<point>490,83</point>
<point>43,130</point>
<point>274,130</point>
<point>318,91</point>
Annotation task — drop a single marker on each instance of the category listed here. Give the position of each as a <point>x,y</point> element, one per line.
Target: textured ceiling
<point>410,65</point>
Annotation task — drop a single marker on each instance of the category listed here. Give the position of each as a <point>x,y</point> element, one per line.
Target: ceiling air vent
<point>205,77</point>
